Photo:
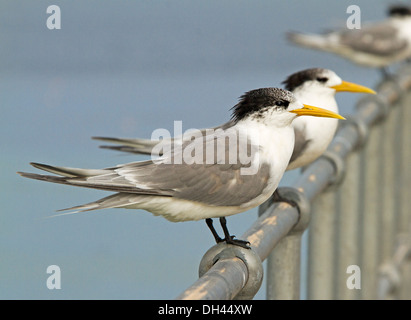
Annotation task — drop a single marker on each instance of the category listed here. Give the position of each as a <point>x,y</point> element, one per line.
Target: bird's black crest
<point>258,100</point>
<point>399,10</point>
<point>298,78</point>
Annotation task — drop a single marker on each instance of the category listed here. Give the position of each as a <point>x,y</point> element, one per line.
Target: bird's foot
<point>235,242</point>
<point>229,239</point>
<point>238,242</point>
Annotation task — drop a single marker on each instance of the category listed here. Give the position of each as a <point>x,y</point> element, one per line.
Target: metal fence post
<point>405,169</point>
<point>386,182</point>
<point>283,269</point>
<point>369,195</point>
<point>284,262</point>
<point>321,250</point>
<point>401,166</point>
<point>405,270</point>
<point>347,225</point>
<point>404,221</point>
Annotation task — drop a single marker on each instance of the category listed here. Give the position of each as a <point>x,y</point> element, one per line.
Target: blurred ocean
<point>124,69</point>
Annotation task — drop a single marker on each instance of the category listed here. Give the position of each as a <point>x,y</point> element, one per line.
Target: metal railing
<point>354,203</point>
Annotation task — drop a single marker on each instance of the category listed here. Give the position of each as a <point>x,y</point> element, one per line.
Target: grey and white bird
<point>315,86</point>
<point>221,182</point>
<point>376,45</point>
<point>313,135</point>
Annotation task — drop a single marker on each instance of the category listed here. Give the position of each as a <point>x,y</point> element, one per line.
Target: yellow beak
<point>352,87</point>
<point>316,112</point>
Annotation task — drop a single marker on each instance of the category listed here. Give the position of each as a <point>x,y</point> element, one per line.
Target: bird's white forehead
<point>333,78</point>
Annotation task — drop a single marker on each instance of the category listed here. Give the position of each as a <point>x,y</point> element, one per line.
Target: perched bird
<point>376,45</point>
<point>313,135</point>
<point>238,176</point>
<point>314,86</point>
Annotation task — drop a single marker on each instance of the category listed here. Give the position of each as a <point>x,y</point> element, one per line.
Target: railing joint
<point>390,91</point>
<point>381,105</point>
<point>251,260</point>
<point>338,164</point>
<point>361,128</point>
<point>297,199</point>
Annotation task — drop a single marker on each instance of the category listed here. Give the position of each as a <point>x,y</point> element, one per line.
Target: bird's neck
<point>263,133</point>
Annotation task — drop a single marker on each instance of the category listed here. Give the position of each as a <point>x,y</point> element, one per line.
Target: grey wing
<point>219,182</point>
<point>379,39</point>
<point>216,180</point>
<point>139,146</point>
<point>216,185</point>
<point>145,146</point>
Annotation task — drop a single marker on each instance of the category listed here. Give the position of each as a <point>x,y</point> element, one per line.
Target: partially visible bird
<point>315,86</point>
<point>224,180</point>
<point>376,45</point>
<point>313,135</point>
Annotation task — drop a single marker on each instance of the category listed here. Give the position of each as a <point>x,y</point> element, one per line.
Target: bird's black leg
<point>230,239</point>
<point>217,238</point>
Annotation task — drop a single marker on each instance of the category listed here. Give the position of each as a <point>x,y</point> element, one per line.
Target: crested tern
<point>316,86</point>
<point>216,188</point>
<point>375,45</point>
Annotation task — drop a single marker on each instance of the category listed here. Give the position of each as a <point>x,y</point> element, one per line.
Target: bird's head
<point>318,81</point>
<point>275,106</point>
<point>399,11</point>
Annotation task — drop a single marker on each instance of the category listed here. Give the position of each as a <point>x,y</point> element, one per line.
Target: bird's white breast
<point>276,147</point>
<point>404,28</point>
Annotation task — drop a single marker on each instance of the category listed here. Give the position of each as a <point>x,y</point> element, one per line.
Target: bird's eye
<point>282,103</point>
<point>322,79</point>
